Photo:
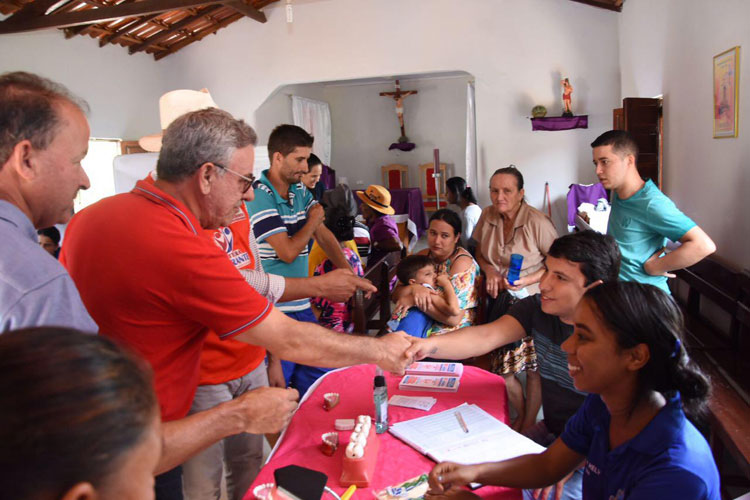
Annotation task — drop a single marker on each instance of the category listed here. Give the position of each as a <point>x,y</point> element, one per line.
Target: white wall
<point>122,90</point>
<point>364,124</point>
<point>667,47</point>
<point>516,50</point>
<point>277,109</point>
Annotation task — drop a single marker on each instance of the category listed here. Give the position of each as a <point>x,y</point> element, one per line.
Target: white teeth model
<point>358,428</point>
<point>350,450</point>
<point>354,437</point>
<point>362,440</point>
<point>359,451</point>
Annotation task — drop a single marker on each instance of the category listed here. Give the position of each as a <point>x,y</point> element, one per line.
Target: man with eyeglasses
<point>164,286</point>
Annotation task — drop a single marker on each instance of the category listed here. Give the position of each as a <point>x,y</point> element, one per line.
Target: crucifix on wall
<point>399,97</point>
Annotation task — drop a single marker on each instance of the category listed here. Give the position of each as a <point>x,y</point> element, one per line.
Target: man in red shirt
<point>152,281</point>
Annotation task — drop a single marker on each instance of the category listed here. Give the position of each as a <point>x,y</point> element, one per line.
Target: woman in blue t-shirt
<point>631,435</point>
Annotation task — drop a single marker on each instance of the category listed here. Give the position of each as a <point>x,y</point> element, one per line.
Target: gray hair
<point>208,135</point>
<point>27,110</point>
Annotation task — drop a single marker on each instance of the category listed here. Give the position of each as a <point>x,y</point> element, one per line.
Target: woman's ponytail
<point>468,195</point>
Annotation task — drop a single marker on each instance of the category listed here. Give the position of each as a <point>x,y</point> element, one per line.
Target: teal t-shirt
<point>271,214</point>
<point>641,225</point>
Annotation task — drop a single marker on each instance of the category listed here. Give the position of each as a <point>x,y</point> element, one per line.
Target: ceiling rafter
<point>88,16</point>
<point>615,5</point>
<point>157,27</point>
<point>125,29</point>
<point>165,34</point>
<point>198,35</point>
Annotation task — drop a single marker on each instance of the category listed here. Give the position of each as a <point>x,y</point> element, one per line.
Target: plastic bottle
<point>380,397</point>
<point>514,270</point>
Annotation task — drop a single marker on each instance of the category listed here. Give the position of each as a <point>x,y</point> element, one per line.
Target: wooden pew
<point>363,308</point>
<point>715,290</point>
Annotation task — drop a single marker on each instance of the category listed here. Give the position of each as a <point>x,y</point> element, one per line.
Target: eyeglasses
<point>248,181</point>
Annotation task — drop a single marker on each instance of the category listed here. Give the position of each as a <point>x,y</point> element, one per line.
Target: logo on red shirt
<point>224,239</point>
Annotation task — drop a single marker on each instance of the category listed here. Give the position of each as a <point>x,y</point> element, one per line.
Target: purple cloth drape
<point>553,123</point>
<point>582,193</point>
<point>328,178</point>
<point>408,201</point>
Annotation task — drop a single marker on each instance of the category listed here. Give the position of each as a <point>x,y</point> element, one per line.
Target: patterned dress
<point>336,315</point>
<point>464,284</point>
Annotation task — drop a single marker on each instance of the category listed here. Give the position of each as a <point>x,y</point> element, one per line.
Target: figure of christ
<point>399,96</point>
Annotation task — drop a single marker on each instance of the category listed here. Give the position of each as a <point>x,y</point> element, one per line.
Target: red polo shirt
<point>226,360</point>
<point>153,281</point>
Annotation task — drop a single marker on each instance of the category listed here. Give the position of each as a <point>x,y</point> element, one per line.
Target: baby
<point>420,270</point>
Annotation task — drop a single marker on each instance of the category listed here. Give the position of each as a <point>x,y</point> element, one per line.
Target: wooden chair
<point>395,176</point>
<point>363,308</point>
<point>427,184</point>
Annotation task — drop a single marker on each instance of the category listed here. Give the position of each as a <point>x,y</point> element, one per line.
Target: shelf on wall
<point>554,123</point>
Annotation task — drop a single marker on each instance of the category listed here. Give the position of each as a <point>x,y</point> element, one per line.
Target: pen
<point>461,421</point>
<point>349,492</point>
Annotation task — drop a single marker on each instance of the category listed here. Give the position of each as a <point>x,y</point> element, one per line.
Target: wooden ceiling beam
<point>34,9</point>
<point>84,28</point>
<point>199,35</point>
<point>163,35</point>
<point>615,5</point>
<point>126,28</point>
<point>77,30</point>
<point>68,19</point>
<point>247,10</point>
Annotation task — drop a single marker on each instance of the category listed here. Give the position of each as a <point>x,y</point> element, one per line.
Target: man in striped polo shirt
<point>284,217</point>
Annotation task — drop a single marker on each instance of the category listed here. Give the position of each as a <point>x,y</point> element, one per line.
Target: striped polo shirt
<point>271,214</point>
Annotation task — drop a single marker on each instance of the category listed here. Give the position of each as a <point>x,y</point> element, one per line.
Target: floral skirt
<point>514,358</point>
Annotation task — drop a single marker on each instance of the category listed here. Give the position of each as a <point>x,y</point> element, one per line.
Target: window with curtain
<point>315,117</point>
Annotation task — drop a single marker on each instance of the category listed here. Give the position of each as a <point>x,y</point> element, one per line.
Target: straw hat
<point>378,198</point>
<point>173,105</point>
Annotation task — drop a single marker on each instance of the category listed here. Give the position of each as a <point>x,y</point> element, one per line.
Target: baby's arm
<point>447,303</point>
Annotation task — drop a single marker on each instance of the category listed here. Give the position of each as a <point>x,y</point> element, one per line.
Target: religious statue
<point>567,89</point>
<point>399,96</point>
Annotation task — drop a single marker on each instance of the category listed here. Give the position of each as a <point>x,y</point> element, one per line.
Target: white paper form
<point>440,436</point>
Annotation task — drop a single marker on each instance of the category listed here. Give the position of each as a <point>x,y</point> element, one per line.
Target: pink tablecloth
<point>397,461</point>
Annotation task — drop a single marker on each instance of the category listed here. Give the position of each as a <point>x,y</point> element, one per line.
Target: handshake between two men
<point>268,410</point>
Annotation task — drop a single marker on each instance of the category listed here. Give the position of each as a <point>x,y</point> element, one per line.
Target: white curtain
<point>471,138</point>
<point>315,117</point>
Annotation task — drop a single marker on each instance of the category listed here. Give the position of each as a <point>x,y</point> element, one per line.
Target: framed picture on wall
<point>726,93</point>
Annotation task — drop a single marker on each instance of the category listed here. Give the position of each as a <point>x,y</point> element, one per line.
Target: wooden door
<point>641,117</point>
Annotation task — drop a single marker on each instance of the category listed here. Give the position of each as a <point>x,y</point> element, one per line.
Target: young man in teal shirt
<point>642,217</point>
<point>284,216</point>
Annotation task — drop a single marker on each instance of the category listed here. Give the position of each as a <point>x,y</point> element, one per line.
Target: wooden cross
<point>399,96</point>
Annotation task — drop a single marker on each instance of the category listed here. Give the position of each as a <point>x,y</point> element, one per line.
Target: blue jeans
<point>572,490</point>
<point>301,377</point>
<point>168,486</point>
<point>415,323</point>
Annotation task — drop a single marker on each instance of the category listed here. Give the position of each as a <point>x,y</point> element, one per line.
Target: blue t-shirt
<point>271,214</point>
<point>668,459</point>
<point>641,224</point>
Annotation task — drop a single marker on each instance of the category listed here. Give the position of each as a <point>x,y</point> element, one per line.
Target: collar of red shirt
<point>148,190</point>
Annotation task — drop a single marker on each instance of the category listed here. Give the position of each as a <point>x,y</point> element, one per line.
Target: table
<point>409,207</point>
<point>397,461</point>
